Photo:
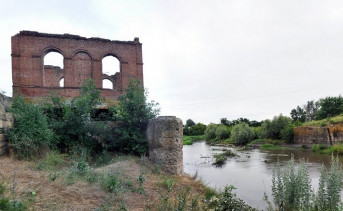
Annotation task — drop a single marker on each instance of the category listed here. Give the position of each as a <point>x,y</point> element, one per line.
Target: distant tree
<point>272,129</point>
<point>225,121</point>
<point>311,109</point>
<point>210,132</point>
<point>190,123</point>
<point>298,114</point>
<point>198,129</point>
<point>329,107</point>
<point>223,132</point>
<point>242,133</point>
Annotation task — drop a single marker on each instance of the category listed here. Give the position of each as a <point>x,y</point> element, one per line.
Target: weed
<point>168,183</point>
<point>141,179</point>
<point>111,183</point>
<point>221,158</point>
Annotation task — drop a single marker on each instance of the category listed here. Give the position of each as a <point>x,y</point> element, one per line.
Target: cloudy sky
<point>204,59</point>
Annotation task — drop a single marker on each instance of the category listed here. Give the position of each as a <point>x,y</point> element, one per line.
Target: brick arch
<point>111,54</point>
<point>50,49</point>
<point>82,51</point>
<point>51,75</point>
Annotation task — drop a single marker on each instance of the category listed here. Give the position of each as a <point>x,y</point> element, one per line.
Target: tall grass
<point>291,187</point>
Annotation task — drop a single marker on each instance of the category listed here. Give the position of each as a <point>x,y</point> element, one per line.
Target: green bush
<point>242,133</point>
<point>132,116</point>
<point>273,128</point>
<point>291,187</point>
<point>210,132</point>
<point>223,132</point>
<point>198,129</point>
<point>287,133</point>
<point>30,132</point>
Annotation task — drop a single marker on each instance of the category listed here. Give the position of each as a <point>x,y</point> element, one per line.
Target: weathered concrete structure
<point>329,135</point>
<point>6,121</point>
<point>164,136</point>
<point>82,59</point>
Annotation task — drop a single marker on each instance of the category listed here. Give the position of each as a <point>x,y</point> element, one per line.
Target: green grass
<point>188,140</point>
<point>325,122</point>
<point>222,157</point>
<point>273,146</point>
<point>325,149</point>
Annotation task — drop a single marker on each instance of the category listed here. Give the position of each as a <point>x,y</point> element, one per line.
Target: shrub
<point>132,116</point>
<point>291,187</point>
<point>30,132</point>
<point>223,132</point>
<point>210,132</point>
<point>198,129</point>
<point>273,128</point>
<point>287,133</point>
<point>242,133</point>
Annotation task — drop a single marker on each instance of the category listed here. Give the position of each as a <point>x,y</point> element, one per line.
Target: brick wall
<point>82,59</point>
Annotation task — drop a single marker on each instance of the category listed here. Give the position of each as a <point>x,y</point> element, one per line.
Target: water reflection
<point>250,172</point>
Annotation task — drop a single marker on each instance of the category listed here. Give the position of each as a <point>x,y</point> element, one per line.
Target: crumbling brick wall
<point>82,59</point>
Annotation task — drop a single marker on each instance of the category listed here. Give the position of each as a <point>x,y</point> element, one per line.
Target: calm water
<point>250,172</point>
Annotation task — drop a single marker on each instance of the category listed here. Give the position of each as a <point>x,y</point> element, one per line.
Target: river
<point>250,172</point>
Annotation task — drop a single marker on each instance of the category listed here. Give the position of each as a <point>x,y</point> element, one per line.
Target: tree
<point>242,133</point>
<point>225,121</point>
<point>190,123</point>
<point>272,129</point>
<point>311,109</point>
<point>198,129</point>
<point>298,114</point>
<point>132,116</point>
<point>329,107</point>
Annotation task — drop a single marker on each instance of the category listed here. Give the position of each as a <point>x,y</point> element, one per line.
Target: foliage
<point>210,132</point>
<point>132,115</point>
<point>192,129</point>
<point>291,187</point>
<point>298,114</point>
<point>223,132</point>
<point>273,128</point>
<point>188,140</point>
<point>242,133</point>
<point>227,200</point>
<point>189,123</point>
<point>8,204</point>
<point>311,109</point>
<point>253,123</point>
<point>30,132</point>
<point>287,133</point>
<point>325,122</point>
<point>221,158</point>
<point>330,107</point>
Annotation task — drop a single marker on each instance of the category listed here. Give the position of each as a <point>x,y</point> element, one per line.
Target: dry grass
<point>82,195</point>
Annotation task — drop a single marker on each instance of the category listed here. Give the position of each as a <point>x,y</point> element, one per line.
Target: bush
<point>223,132</point>
<point>198,129</point>
<point>30,132</point>
<point>132,116</point>
<point>273,128</point>
<point>242,133</point>
<point>291,187</point>
<point>287,133</point>
<point>210,132</point>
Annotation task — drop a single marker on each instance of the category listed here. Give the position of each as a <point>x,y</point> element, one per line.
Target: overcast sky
<point>203,59</point>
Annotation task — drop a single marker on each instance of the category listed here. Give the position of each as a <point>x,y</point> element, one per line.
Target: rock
<point>164,136</point>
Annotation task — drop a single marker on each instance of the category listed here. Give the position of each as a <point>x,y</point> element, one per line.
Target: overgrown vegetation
<point>188,140</point>
<point>221,158</point>
<point>73,127</point>
<point>291,187</point>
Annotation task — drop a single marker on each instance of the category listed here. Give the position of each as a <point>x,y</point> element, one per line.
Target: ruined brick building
<point>82,59</point>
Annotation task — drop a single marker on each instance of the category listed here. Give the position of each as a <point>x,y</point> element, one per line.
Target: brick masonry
<point>82,59</point>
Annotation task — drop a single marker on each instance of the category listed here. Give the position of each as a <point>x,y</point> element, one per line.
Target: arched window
<point>62,82</point>
<point>107,84</point>
<point>53,69</point>
<point>54,59</point>
<point>110,65</point>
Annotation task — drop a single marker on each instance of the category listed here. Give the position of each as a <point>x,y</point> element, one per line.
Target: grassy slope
<point>54,184</point>
<point>325,122</point>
